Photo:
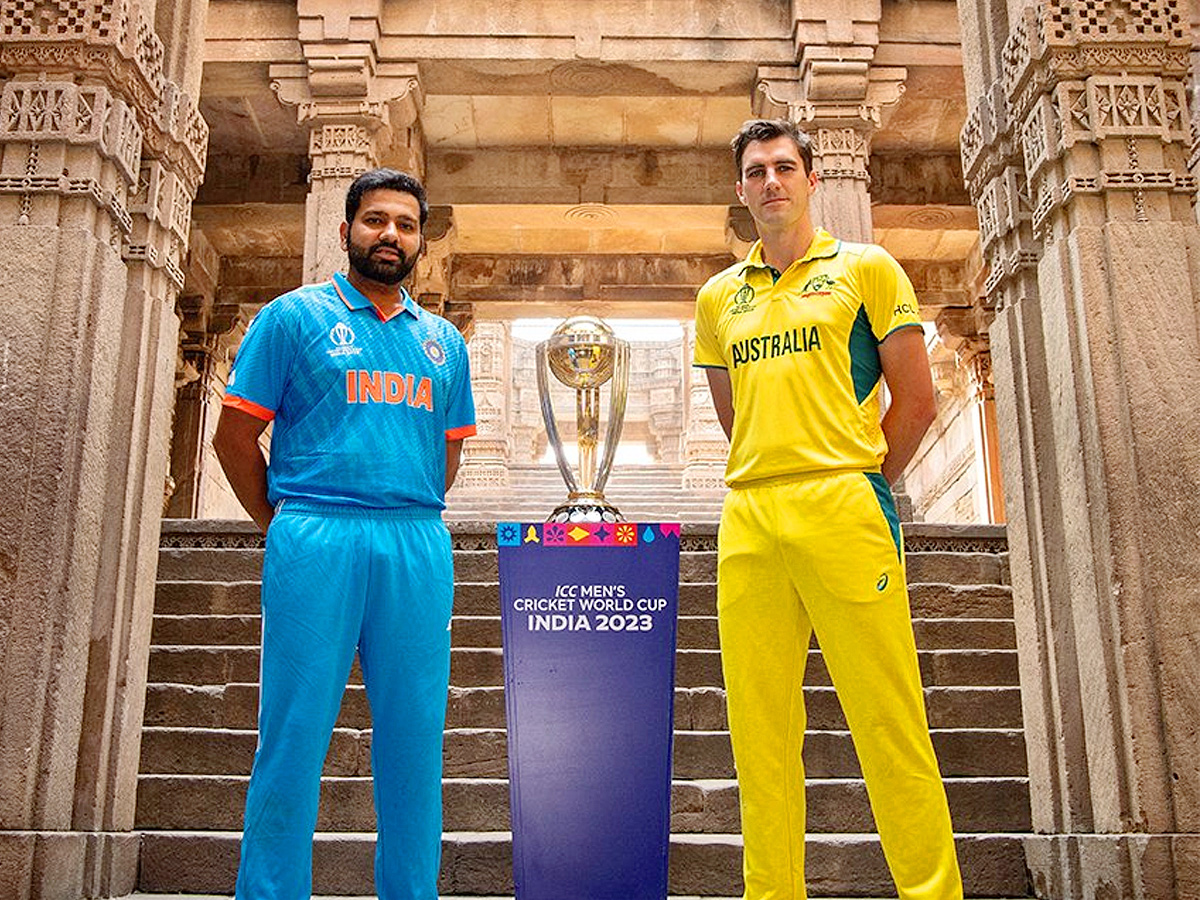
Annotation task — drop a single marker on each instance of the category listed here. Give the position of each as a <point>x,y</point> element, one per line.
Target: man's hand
<point>236,443</point>
<point>721,389</point>
<point>913,408</point>
<point>453,457</point>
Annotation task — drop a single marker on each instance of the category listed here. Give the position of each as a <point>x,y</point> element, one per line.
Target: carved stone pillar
<point>361,112</point>
<point>485,455</point>
<point>1095,347</point>
<point>100,155</point>
<point>961,332</point>
<point>705,447</point>
<point>527,433</point>
<point>665,403</point>
<point>839,96</point>
<point>199,379</point>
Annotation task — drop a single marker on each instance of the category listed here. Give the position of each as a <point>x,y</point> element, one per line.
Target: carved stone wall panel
<point>35,189</point>
<point>116,23</point>
<point>42,113</point>
<point>113,42</point>
<point>1040,137</point>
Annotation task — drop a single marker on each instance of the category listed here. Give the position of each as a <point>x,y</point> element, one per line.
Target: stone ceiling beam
<point>665,39</point>
<point>646,177</point>
<point>569,175</point>
<point>532,285</point>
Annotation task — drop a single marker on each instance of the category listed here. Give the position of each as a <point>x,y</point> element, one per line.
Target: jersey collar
<point>354,298</point>
<point>823,246</point>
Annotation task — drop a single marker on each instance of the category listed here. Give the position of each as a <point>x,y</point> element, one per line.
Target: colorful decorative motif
<point>584,534</point>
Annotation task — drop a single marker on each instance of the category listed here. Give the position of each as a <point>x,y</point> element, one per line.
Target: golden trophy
<point>584,354</point>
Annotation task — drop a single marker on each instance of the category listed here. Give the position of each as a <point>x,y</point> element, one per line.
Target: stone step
<point>701,865</point>
<point>197,802</point>
<point>484,667</point>
<point>696,709</point>
<point>473,752</point>
<point>232,565</point>
<point>928,600</point>
<point>694,632</point>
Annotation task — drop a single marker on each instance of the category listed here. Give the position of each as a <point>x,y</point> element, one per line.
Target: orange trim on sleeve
<point>457,434</point>
<point>240,403</point>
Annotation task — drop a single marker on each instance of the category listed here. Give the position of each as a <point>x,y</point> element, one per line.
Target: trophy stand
<point>584,354</point>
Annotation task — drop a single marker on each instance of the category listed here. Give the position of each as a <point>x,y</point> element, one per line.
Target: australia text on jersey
<point>769,346</point>
<point>388,387</point>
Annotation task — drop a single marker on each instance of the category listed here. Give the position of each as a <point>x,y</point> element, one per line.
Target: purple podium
<point>589,617</point>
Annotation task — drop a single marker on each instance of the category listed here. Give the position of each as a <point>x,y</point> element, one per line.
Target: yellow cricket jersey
<point>803,356</point>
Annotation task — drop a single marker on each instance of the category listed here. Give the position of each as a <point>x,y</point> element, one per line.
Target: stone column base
<point>477,476</point>
<point>704,476</point>
<point>68,865</point>
<point>1114,866</point>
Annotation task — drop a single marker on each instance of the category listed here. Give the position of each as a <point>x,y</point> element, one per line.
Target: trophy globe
<point>584,354</point>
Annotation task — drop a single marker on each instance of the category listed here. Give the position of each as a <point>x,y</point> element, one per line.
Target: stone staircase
<point>642,493</point>
<point>199,735</point>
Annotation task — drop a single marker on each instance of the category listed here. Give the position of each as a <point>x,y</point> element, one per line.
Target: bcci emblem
<point>743,300</point>
<point>434,351</point>
<point>342,337</point>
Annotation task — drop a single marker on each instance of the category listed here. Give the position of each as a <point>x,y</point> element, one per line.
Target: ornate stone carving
<point>113,42</point>
<point>341,151</point>
<point>37,111</point>
<point>1104,73</point>
<point>841,153</point>
<point>485,456</point>
<point>352,132</point>
<point>829,95</point>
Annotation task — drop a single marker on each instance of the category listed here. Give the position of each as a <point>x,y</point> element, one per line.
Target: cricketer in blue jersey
<point>370,399</point>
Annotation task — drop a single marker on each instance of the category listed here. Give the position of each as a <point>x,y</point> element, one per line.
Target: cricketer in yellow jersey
<point>796,341</point>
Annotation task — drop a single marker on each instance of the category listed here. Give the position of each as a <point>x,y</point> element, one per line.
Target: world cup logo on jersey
<point>341,336</point>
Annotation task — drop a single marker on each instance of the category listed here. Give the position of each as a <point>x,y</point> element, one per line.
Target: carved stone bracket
<point>740,231</point>
<point>829,93</point>
<point>162,205</point>
<point>352,131</point>
<point>994,170</point>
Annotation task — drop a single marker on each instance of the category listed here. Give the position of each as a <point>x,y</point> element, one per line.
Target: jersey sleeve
<point>708,350</point>
<point>887,293</point>
<point>261,367</point>
<point>460,408</point>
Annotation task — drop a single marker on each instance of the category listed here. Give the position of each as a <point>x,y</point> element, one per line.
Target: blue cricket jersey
<point>362,406</point>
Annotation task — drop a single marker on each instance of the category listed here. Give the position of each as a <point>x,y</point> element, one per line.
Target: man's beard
<point>384,271</point>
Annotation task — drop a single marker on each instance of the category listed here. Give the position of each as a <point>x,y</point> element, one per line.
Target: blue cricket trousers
<point>337,579</point>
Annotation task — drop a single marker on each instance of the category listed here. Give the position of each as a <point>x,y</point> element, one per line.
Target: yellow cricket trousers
<point>824,554</point>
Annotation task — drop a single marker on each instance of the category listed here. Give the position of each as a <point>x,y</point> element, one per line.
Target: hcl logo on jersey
<point>388,387</point>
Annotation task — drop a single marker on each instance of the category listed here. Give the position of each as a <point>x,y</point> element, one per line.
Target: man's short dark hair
<point>389,179</point>
<point>768,130</point>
